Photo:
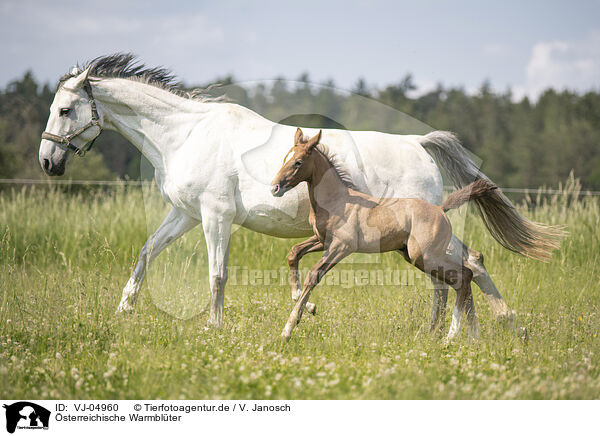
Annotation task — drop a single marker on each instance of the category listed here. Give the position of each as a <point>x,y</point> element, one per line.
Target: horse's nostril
<point>46,164</point>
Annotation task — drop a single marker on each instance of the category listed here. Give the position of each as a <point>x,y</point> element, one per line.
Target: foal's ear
<point>313,141</point>
<point>298,137</point>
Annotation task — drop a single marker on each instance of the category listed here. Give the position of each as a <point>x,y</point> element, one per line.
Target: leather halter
<point>94,122</point>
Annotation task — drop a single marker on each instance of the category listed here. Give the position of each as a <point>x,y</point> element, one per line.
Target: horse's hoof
<point>124,309</point>
<point>311,308</point>
<point>285,337</point>
<point>213,323</point>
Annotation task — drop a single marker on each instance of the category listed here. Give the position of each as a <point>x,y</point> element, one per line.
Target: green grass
<point>64,259</point>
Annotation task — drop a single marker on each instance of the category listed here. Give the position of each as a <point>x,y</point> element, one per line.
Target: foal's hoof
<point>311,308</point>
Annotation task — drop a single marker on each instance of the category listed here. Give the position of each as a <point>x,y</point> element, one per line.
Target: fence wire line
<point>149,182</point>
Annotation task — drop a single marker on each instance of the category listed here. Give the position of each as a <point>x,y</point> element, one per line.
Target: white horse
<point>213,162</point>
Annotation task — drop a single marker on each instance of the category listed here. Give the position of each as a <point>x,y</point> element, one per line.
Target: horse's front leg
<point>330,259</point>
<point>174,225</point>
<point>296,253</point>
<point>217,218</point>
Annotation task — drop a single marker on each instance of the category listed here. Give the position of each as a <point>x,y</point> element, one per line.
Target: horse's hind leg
<point>174,225</point>
<point>474,261</point>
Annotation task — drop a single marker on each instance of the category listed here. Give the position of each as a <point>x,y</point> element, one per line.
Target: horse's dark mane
<point>127,66</point>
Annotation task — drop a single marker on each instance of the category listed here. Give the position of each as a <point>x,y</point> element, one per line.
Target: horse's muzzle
<point>51,169</point>
<point>277,190</point>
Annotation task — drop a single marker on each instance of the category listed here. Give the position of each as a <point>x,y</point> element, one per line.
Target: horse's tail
<point>477,190</point>
<point>511,229</point>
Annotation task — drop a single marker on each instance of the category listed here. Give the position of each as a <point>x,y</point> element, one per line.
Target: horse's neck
<point>154,120</point>
<point>325,186</point>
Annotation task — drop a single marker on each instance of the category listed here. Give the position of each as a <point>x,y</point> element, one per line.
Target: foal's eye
<point>65,111</point>
<point>298,164</point>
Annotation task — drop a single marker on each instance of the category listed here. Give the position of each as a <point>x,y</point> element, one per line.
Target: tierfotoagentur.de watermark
<point>345,278</point>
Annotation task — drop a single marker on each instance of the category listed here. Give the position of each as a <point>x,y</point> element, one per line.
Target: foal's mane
<point>127,66</point>
<point>336,165</point>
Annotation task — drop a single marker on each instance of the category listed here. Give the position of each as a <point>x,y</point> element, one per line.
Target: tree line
<point>520,143</point>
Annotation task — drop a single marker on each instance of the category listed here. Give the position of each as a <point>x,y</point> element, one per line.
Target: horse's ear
<point>314,140</point>
<point>79,80</point>
<point>298,136</point>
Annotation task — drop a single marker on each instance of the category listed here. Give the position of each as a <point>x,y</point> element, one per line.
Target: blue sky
<point>524,45</point>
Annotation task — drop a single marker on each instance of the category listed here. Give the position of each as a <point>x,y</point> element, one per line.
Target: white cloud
<point>573,65</point>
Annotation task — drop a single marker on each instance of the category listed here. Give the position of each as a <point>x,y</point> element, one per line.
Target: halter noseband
<point>94,122</point>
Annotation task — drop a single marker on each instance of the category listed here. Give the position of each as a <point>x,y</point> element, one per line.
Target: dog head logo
<point>24,414</point>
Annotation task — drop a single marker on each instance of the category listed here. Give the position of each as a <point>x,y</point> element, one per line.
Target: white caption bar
<point>296,417</point>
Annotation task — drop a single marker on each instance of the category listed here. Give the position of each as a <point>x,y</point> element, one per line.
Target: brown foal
<point>346,221</point>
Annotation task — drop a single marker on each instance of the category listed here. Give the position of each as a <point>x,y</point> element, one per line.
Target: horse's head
<point>296,168</point>
<point>73,125</point>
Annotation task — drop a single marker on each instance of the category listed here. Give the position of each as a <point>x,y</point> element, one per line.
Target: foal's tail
<point>477,190</point>
<point>511,229</point>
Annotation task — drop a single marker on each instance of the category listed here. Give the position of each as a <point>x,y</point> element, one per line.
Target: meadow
<point>66,253</point>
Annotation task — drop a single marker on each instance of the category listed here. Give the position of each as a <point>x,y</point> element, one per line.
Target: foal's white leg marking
<point>296,292</point>
<point>217,219</point>
<point>174,225</point>
<point>456,321</point>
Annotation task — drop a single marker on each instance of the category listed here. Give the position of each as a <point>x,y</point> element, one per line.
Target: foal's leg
<point>296,253</point>
<point>331,258</point>
<point>464,301</point>
<point>175,224</point>
<point>471,316</point>
<point>474,261</point>
<point>440,299</point>
<point>443,266</point>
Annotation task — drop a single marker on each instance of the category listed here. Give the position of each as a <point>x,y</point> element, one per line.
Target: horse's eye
<point>65,111</point>
<point>298,164</point>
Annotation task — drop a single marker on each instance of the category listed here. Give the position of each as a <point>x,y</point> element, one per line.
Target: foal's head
<point>296,168</point>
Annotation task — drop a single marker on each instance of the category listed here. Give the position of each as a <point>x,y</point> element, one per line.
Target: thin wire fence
<point>150,182</point>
